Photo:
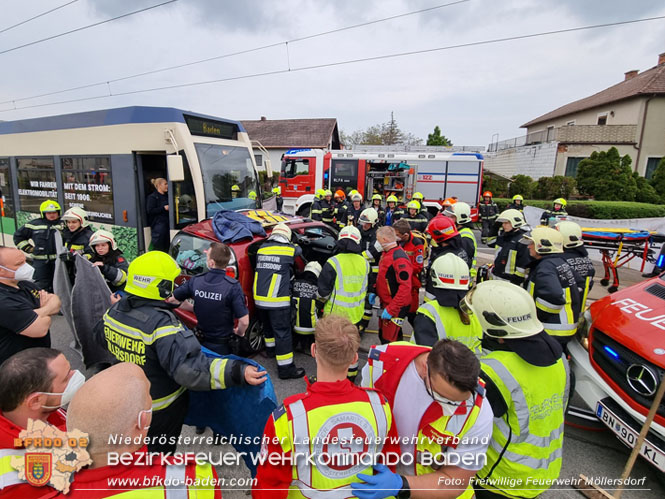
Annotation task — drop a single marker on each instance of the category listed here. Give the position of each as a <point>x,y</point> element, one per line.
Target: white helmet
<point>504,310</point>
<point>450,272</point>
<point>314,268</point>
<point>461,211</point>
<point>546,240</point>
<point>357,197</point>
<point>103,236</point>
<point>350,232</point>
<point>571,232</point>
<point>281,230</point>
<point>515,217</point>
<point>369,216</point>
<point>76,213</point>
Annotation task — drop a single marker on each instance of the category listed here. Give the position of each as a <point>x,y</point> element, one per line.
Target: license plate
<point>629,436</point>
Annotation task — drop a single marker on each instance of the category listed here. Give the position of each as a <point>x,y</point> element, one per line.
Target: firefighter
<point>418,196</point>
<point>488,211</point>
<point>235,191</point>
<point>526,380</point>
<point>393,285</point>
<point>460,212</point>
<point>512,256</point>
<point>517,203</point>
<point>76,235</point>
<point>393,211</point>
<point>553,284</point>
<point>327,208</point>
<point>368,223</point>
<point>279,200</point>
<point>376,204</point>
<point>445,239</point>
<point>41,231</point>
<point>142,329</point>
<point>326,421</point>
<point>304,307</point>
<point>275,263</point>
<point>340,207</point>
<point>353,212</point>
<point>414,246</point>
<point>316,212</point>
<point>442,317</point>
<point>105,254</point>
<point>577,257</point>
<point>558,211</point>
<point>433,392</point>
<point>414,216</point>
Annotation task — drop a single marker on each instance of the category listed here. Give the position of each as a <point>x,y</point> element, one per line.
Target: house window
<point>652,164</point>
<point>259,159</point>
<point>571,166</point>
<point>602,119</point>
<point>570,123</point>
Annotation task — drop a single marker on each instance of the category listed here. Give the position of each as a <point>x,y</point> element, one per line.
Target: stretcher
<point>618,247</point>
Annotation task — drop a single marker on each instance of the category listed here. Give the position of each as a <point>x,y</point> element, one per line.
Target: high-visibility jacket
<point>470,245</point>
<point>511,257</point>
<point>347,297</point>
<point>303,303</point>
<point>527,441</point>
<point>156,481</point>
<point>145,333</point>
<point>384,369</point>
<point>332,420</point>
<point>274,270</point>
<point>578,259</point>
<point>553,285</point>
<point>434,322</point>
<point>42,233</point>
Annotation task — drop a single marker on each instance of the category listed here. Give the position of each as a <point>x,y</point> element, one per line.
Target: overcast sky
<point>471,93</point>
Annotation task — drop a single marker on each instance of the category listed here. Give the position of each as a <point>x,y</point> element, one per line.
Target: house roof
<point>316,132</point>
<point>651,81</point>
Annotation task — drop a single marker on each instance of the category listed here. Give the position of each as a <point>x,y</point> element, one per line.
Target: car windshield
<point>229,179</point>
<point>189,252</point>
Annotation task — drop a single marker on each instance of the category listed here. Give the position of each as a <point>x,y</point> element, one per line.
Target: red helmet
<point>487,194</point>
<point>442,228</point>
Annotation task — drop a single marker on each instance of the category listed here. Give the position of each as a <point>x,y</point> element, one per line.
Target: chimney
<point>263,118</point>
<point>661,58</point>
<point>630,74</point>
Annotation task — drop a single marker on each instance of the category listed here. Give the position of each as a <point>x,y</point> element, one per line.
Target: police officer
<point>277,191</point>
<point>512,256</point>
<point>558,211</point>
<point>275,263</point>
<point>218,301</point>
<point>415,217</point>
<point>577,257</point>
<point>305,307</point>
<point>141,329</point>
<point>442,317</point>
<point>316,212</point>
<point>393,211</point>
<point>376,204</point>
<point>517,203</point>
<point>526,380</point>
<point>327,208</point>
<point>488,211</point>
<point>460,212</point>
<point>42,233</point>
<point>553,284</point>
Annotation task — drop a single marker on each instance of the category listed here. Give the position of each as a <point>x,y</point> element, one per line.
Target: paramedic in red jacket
<point>414,247</point>
<point>393,285</point>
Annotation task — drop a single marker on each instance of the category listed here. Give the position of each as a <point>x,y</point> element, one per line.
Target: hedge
<point>598,209</point>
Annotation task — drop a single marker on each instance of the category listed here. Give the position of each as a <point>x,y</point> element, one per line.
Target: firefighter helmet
<point>369,216</point>
<point>572,234</point>
<point>48,206</point>
<point>504,310</point>
<point>235,188</point>
<point>487,194</point>
<point>320,193</point>
<point>277,190</point>
<point>327,193</point>
<point>252,195</point>
<point>151,275</point>
<point>78,214</point>
<point>377,196</point>
<point>314,268</point>
<point>560,201</point>
<point>103,236</point>
<point>441,229</point>
<point>461,211</point>
<point>450,272</point>
<point>350,232</point>
<point>515,217</point>
<point>413,205</point>
<point>546,240</point>
<point>339,194</point>
<point>392,199</point>
<point>356,196</point>
<point>281,230</point>
<point>418,196</point>
<point>518,197</point>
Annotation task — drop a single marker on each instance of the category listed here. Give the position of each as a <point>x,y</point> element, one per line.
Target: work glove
<point>384,484</point>
<point>386,315</point>
<point>378,247</point>
<point>372,298</point>
<point>66,256</point>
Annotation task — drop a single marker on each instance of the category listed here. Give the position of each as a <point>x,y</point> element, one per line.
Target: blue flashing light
<point>293,151</point>
<point>661,260</point>
<point>611,352</point>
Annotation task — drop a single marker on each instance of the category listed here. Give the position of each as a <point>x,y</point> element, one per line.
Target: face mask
<point>448,406</point>
<point>145,411</point>
<point>23,273</point>
<point>73,385</point>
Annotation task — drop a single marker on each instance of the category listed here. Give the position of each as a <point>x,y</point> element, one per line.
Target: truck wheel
<point>303,211</point>
<point>254,335</point>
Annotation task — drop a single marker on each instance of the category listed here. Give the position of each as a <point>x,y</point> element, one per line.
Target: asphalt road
<point>596,454</point>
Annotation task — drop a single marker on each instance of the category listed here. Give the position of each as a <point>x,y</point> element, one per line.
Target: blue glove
<point>372,298</point>
<point>384,484</point>
<point>386,315</point>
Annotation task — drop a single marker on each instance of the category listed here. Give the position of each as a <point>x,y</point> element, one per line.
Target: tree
<point>521,184</point>
<point>554,187</point>
<point>658,179</point>
<point>606,175</point>
<point>645,191</point>
<point>387,133</point>
<point>436,139</point>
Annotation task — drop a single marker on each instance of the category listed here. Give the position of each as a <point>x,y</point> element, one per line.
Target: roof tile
<point>316,132</point>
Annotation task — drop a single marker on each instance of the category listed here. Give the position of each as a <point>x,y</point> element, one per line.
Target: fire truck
<point>437,176</point>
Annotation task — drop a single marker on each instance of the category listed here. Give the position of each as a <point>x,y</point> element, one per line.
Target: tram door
<point>149,166</point>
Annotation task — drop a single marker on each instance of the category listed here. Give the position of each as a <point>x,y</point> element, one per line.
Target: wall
<point>584,151</point>
<point>535,161</point>
<point>653,141</point>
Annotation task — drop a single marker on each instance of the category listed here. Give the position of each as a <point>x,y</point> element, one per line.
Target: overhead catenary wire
<point>4,30</point>
<point>233,54</point>
<point>350,61</point>
<point>82,28</point>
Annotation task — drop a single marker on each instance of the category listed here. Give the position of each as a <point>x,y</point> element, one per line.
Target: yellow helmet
<point>277,190</point>
<point>102,236</point>
<point>49,205</point>
<point>235,188</point>
<point>320,193</point>
<point>151,276</point>
<point>377,196</point>
<point>392,199</point>
<point>413,205</point>
<point>572,234</point>
<point>418,196</point>
<point>560,201</point>
<point>252,195</point>
<point>518,197</point>
<point>76,213</point>
<point>327,193</point>
<point>546,240</point>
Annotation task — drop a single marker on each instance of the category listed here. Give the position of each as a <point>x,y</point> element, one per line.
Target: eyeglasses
<point>436,397</point>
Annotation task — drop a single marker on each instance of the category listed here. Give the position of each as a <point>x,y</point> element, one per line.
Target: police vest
<point>272,279</point>
<point>467,233</point>
<point>304,301</point>
<point>527,442</point>
<point>322,432</point>
<point>386,365</point>
<point>449,325</point>
<point>348,296</point>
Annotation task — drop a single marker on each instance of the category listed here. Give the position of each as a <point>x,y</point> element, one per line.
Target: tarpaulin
<point>230,226</point>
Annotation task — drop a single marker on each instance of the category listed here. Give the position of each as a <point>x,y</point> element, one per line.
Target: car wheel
<point>255,335</point>
<point>303,211</point>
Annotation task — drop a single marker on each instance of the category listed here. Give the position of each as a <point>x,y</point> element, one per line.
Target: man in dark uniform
<point>218,301</point>
<point>141,329</point>
<point>353,212</point>
<point>277,191</point>
<point>488,211</point>
<point>416,218</point>
<point>42,233</point>
<point>275,265</point>
<point>25,310</point>
<point>327,208</point>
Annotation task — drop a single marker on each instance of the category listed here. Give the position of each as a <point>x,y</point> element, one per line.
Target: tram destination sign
<point>211,128</point>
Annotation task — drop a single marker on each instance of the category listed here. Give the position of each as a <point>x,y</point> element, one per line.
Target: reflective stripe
<point>548,307</point>
<point>277,251</point>
<point>440,328</point>
<point>284,360</point>
<point>278,303</point>
<point>164,402</point>
<point>530,462</point>
<point>148,339</point>
<point>35,227</point>
<point>174,478</point>
<point>8,475</point>
<point>217,368</point>
<point>307,491</point>
<point>270,342</point>
<point>301,435</point>
<point>379,416</point>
